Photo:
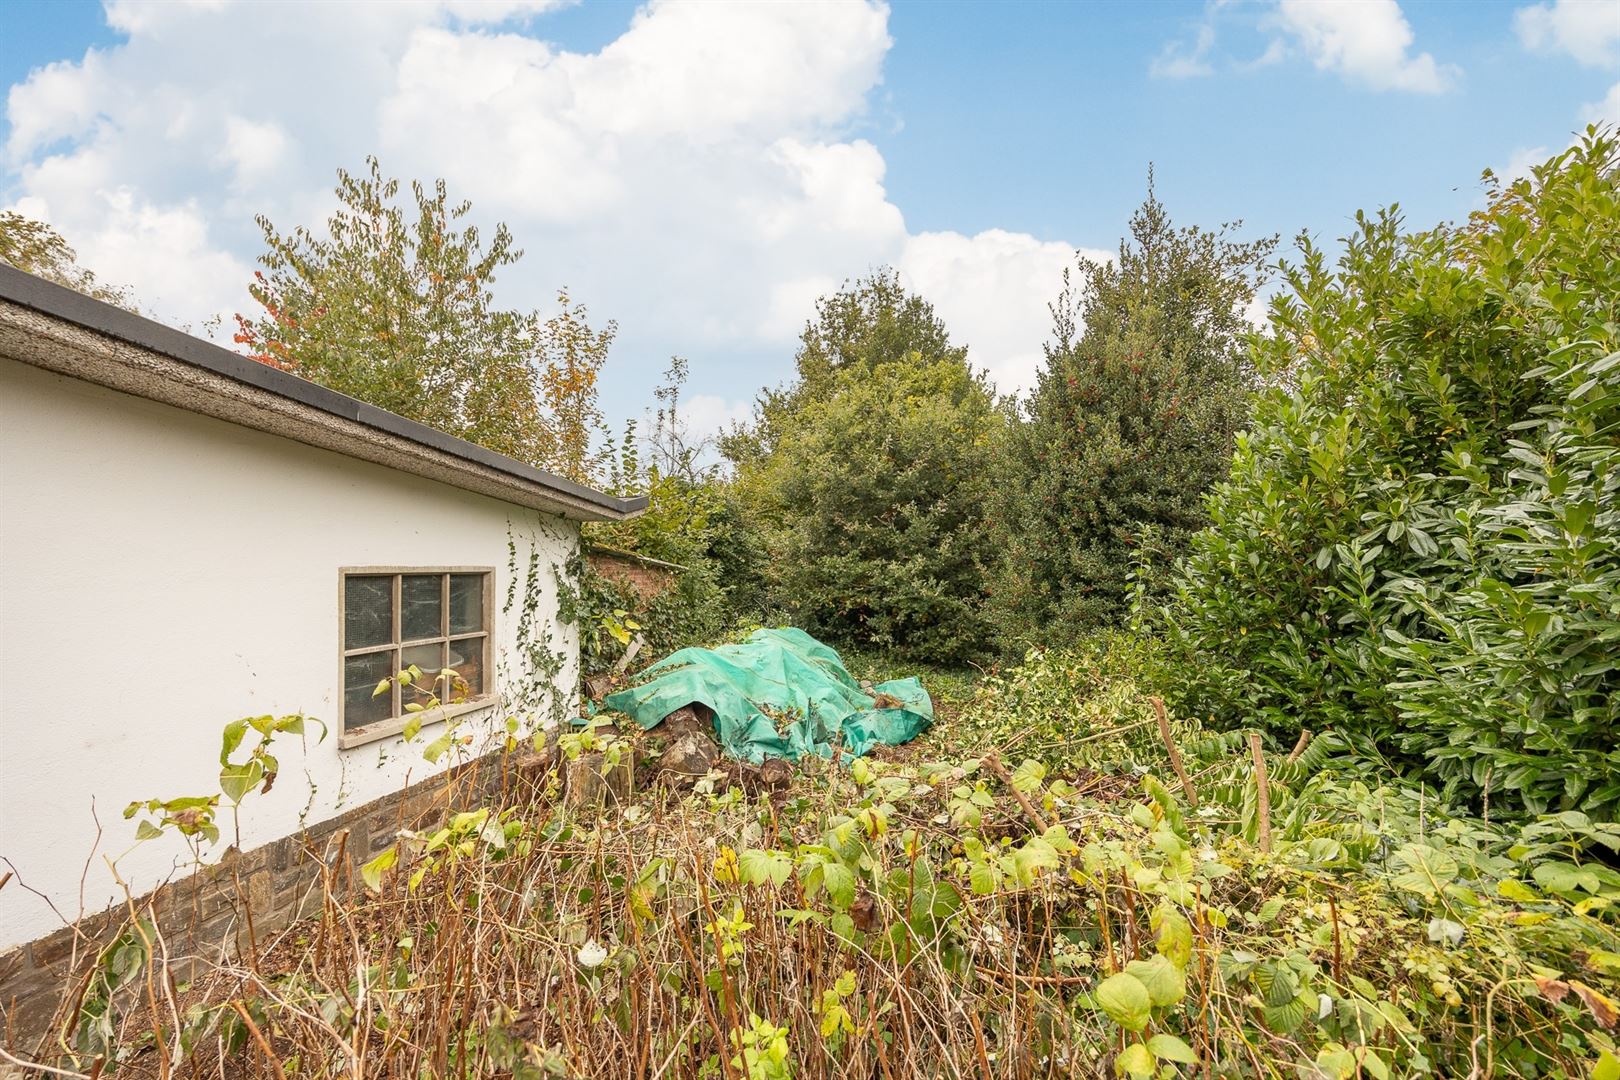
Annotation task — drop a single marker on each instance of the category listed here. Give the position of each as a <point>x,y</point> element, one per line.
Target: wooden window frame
<point>382,729</point>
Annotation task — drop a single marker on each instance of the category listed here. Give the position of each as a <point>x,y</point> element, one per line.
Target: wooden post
<point>1175,754</point>
<point>1262,787</point>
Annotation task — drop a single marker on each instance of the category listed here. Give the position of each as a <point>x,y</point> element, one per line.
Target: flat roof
<point>104,344</point>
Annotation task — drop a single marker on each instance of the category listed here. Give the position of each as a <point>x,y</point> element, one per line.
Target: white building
<point>188,537</point>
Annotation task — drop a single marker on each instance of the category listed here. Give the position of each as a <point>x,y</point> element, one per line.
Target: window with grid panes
<point>433,618</point>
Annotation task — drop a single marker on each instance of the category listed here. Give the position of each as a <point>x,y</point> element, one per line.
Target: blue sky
<point>700,172</point>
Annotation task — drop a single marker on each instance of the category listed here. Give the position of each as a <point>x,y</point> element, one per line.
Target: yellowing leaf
<point>1134,1060</point>
<point>371,873</point>
<point>1167,1047</point>
<point>1126,1001</point>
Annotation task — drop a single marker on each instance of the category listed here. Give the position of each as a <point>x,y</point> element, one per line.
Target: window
<point>435,618</point>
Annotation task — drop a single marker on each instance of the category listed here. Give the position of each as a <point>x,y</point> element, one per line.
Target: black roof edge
<point>59,302</point>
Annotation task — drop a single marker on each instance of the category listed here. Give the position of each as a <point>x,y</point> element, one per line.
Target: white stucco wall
<point>163,573</point>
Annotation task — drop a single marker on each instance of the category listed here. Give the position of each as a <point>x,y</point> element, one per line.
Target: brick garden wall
<point>647,579</point>
<point>205,913</point>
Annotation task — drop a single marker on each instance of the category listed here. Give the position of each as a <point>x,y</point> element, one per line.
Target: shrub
<point>869,478</point>
<point>1415,545</point>
<point>880,490</point>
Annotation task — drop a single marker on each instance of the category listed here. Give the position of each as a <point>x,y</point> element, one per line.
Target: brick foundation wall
<point>204,913</point>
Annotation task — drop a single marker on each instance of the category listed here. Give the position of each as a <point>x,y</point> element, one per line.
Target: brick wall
<point>205,912</point>
<point>648,579</point>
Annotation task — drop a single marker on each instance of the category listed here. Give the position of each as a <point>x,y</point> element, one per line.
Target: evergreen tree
<point>868,478</point>
<point>1132,419</point>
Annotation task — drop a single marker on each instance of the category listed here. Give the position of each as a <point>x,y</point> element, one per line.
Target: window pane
<point>360,677</point>
<point>368,615</point>
<point>467,657</point>
<point>421,602</point>
<point>430,658</point>
<point>466,603</point>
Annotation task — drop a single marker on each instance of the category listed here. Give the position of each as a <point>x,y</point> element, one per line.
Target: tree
<point>35,248</point>
<point>1418,543</point>
<point>399,311</point>
<point>868,478</point>
<point>1132,418</point>
<point>868,323</point>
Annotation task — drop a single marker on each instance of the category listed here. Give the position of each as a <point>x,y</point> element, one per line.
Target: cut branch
<point>1174,752</point>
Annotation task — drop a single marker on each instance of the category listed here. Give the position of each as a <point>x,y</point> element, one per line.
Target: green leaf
<point>1373,1064</point>
<point>1164,981</point>
<point>1428,870</point>
<point>382,687</point>
<point>413,727</point>
<point>1175,936</point>
<point>757,866</point>
<point>1036,855</point>
<point>1135,1060</point>
<point>1562,877</point>
<point>1513,889</point>
<point>1286,1017</point>
<point>436,749</point>
<point>1276,983</point>
<point>1058,839</point>
<point>233,738</point>
<point>237,780</point>
<point>147,831</point>
<point>839,881</point>
<point>1607,1067</point>
<point>1167,1047</point>
<point>1268,911</point>
<point>1125,1000</point>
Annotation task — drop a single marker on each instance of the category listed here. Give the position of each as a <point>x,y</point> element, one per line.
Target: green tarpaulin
<point>779,694</point>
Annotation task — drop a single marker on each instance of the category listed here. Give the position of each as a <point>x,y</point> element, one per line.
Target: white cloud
<point>254,149</point>
<point>1365,41</point>
<point>1521,162</point>
<point>696,179</point>
<point>1588,30</point>
<point>708,415</point>
<point>1606,111</point>
<point>1177,61</point>
<point>1257,312</point>
<point>992,291</point>
<point>1368,41</point>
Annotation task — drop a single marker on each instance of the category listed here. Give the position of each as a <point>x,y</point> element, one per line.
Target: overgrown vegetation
<point>947,916</point>
<point>1335,799</point>
<point>1417,545</point>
